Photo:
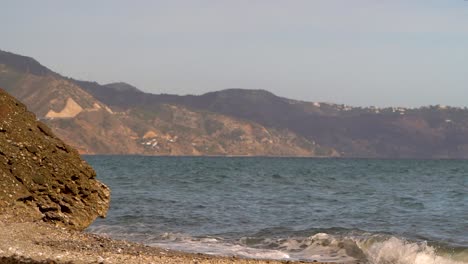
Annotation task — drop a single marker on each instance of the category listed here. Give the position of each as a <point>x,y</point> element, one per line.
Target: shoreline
<point>279,156</point>
<point>38,242</point>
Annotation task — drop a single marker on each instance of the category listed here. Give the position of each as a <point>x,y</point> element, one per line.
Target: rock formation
<point>42,178</point>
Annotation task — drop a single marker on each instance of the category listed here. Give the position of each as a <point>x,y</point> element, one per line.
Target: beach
<point>38,242</point>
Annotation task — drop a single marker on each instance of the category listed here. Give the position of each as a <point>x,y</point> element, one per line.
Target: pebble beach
<point>38,242</point>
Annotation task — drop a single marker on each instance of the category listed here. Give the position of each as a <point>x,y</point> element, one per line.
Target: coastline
<point>278,156</point>
<point>38,242</point>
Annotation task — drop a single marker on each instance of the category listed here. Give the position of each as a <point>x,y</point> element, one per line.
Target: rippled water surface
<point>343,210</point>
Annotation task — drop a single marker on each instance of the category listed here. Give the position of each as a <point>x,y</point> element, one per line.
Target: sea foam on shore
<point>352,247</point>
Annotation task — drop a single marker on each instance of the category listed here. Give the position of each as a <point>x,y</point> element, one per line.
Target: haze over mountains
<point>118,118</point>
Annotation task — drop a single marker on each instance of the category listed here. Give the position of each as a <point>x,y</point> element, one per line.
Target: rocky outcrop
<point>42,178</point>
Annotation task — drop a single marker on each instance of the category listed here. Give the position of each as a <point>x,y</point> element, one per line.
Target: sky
<point>357,52</point>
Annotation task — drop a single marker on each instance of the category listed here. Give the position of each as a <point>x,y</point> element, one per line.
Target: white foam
<point>398,251</point>
<point>213,247</point>
<point>323,247</point>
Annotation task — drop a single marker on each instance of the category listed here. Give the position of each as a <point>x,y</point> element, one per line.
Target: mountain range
<point>119,118</point>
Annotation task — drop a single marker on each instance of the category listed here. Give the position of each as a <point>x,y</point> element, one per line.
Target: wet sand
<point>39,242</point>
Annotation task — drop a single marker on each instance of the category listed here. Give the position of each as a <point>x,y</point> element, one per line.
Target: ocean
<point>337,210</point>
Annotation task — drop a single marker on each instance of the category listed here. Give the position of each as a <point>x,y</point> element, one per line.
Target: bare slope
<point>394,132</point>
<point>161,129</point>
<point>116,118</point>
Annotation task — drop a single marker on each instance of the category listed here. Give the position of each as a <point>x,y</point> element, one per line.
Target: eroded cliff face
<point>42,178</point>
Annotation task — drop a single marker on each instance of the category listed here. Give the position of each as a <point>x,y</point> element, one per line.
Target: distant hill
<point>120,118</point>
<point>23,64</point>
<point>394,132</point>
<point>75,112</point>
<point>122,87</point>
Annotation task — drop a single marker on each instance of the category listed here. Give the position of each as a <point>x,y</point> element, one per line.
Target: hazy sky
<point>358,52</point>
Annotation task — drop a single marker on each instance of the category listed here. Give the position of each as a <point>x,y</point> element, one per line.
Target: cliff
<point>41,177</point>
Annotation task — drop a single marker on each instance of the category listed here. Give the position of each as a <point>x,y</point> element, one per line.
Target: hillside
<point>75,111</point>
<point>121,119</point>
<point>394,132</point>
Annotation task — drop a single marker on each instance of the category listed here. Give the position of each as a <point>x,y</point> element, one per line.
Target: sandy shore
<point>42,243</point>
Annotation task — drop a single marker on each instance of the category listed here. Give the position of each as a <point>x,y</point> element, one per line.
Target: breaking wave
<point>367,248</point>
<point>352,247</point>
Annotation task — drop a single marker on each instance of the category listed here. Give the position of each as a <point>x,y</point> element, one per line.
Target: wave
<point>217,246</point>
<point>394,250</point>
<point>350,247</point>
<point>365,248</point>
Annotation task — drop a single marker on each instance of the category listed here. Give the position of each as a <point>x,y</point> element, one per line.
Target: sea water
<point>338,210</point>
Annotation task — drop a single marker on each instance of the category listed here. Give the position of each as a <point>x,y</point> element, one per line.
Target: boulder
<point>41,177</point>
